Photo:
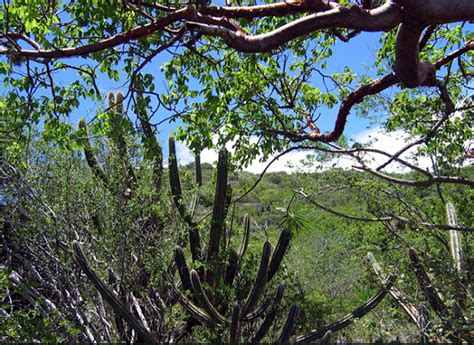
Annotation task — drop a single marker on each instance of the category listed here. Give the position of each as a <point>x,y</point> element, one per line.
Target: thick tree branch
<point>358,96</point>
<point>278,9</point>
<point>111,42</point>
<point>410,71</point>
<point>381,19</point>
<point>428,12</point>
<point>419,14</point>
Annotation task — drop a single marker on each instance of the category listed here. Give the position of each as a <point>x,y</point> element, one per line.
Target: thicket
<point>178,260</point>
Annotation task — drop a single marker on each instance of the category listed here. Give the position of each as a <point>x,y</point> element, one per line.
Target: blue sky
<point>358,54</point>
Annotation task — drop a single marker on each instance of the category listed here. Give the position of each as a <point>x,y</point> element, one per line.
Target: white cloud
<point>183,154</point>
<point>289,162</point>
<point>292,161</point>
<point>390,142</point>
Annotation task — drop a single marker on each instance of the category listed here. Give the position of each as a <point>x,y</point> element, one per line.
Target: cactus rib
<point>204,300</point>
<point>218,215</point>
<point>151,145</point>
<point>183,270</point>
<point>235,325</point>
<point>289,327</point>
<point>260,281</point>
<point>245,238</point>
<point>268,321</point>
<point>192,309</point>
<point>198,169</point>
<point>280,250</point>
<point>348,319</point>
<point>117,121</point>
<point>259,311</point>
<point>175,185</point>
<point>235,260</point>
<point>231,269</point>
<point>90,156</point>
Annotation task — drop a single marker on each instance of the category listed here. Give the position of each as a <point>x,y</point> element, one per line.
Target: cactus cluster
<point>216,266</point>
<point>209,309</point>
<point>437,303</point>
<point>117,123</point>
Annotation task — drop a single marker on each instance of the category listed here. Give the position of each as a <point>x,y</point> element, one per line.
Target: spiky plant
<point>455,323</point>
<point>202,281</point>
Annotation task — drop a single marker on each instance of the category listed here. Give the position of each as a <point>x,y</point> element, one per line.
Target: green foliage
<point>25,322</point>
<point>113,198</point>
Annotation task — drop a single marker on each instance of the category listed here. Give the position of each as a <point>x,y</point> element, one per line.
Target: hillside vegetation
<point>128,236</point>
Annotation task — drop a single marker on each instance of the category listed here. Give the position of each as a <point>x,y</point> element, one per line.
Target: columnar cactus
<point>175,186</point>
<point>209,307</point>
<point>151,145</point>
<point>197,165</point>
<point>455,238</point>
<point>455,324</point>
<point>118,124</point>
<point>90,156</point>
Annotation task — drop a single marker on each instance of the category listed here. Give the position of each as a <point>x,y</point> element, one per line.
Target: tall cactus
<point>153,150</point>
<point>117,124</point>
<point>455,238</point>
<point>209,308</point>
<point>217,231</point>
<point>177,194</point>
<point>88,152</point>
<point>201,295</point>
<point>198,169</point>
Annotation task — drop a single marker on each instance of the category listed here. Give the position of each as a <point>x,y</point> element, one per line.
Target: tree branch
<point>381,19</point>
<point>388,218</point>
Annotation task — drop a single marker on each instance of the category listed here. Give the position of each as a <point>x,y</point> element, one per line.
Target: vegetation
<point>104,242</point>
